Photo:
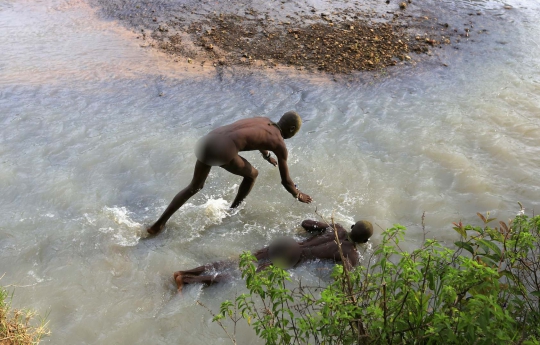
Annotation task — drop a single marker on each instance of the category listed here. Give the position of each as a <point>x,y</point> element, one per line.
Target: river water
<point>97,135</point>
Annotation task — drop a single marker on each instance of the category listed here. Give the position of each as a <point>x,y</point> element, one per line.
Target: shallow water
<point>90,153</point>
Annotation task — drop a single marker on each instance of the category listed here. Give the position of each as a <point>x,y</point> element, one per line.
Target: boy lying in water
<point>321,246</point>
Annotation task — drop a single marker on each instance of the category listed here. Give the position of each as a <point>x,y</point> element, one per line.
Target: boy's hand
<point>304,198</point>
<point>272,161</point>
<point>267,157</point>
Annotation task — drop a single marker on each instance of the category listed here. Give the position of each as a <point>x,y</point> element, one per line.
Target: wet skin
<point>321,246</point>
<point>220,148</point>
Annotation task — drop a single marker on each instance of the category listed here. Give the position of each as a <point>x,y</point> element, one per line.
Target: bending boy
<point>220,148</point>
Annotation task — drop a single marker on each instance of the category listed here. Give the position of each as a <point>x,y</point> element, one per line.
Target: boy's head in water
<point>289,124</point>
<point>361,231</point>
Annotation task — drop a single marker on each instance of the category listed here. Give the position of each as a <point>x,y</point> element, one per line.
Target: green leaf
<point>491,246</point>
<point>218,317</point>
<point>494,257</point>
<point>536,293</point>
<point>460,230</point>
<point>431,280</point>
<point>507,274</point>
<point>465,245</point>
<point>490,262</point>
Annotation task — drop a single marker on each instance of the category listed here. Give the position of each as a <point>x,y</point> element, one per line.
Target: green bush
<point>483,291</point>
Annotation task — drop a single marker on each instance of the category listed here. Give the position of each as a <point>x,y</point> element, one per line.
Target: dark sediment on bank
<point>346,38</point>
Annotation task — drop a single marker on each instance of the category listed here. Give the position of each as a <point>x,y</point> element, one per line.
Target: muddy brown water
<point>97,135</point>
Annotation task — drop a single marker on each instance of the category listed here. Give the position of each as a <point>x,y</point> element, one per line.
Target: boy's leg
<point>197,183</point>
<point>180,279</point>
<point>240,166</point>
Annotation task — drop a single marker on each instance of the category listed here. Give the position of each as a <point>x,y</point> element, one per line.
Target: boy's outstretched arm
<point>286,180</point>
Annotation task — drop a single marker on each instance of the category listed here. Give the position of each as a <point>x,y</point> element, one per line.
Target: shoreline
<point>301,40</point>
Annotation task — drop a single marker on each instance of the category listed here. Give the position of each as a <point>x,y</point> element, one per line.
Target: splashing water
<point>128,232</point>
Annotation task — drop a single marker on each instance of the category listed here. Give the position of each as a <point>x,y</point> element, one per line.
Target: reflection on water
<point>91,153</point>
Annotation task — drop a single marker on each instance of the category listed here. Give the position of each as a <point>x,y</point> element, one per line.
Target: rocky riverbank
<point>339,38</point>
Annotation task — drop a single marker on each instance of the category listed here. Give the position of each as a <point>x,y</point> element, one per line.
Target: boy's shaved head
<point>290,124</point>
<point>361,231</point>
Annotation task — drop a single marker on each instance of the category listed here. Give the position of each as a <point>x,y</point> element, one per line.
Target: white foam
<point>91,220</point>
<point>35,276</point>
<point>129,232</point>
<point>106,230</point>
<point>121,216</point>
<point>196,219</point>
<point>216,210</point>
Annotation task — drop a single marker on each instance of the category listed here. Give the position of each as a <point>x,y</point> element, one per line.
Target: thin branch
<point>399,312</point>
<point>218,321</point>
<point>424,225</point>
<point>345,269</point>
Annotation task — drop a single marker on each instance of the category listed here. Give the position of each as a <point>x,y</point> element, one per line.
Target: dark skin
<point>321,246</point>
<point>221,146</point>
